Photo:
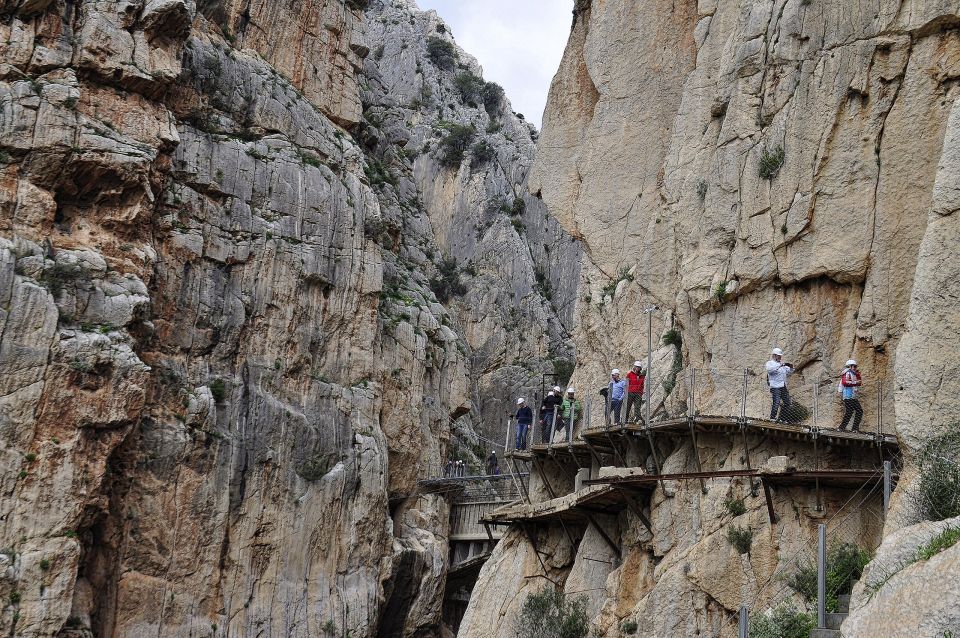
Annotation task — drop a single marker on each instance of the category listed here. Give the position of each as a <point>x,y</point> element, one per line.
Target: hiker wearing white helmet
<point>524,419</point>
<point>777,373</point>
<point>570,411</point>
<point>616,392</point>
<point>548,413</point>
<point>636,379</point>
<point>850,380</point>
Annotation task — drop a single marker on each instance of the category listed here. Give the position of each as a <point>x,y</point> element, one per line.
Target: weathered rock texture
<point>223,364</point>
<point>772,173</point>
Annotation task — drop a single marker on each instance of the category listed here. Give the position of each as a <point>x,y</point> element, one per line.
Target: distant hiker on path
<point>616,391</point>
<point>850,380</point>
<point>547,410</point>
<point>777,373</point>
<point>636,379</point>
<point>524,419</point>
<point>493,464</point>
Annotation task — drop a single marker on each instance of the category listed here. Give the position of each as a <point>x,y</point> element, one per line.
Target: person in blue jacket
<point>524,419</point>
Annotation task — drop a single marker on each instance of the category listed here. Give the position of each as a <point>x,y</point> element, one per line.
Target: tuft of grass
<point>741,538</point>
<point>721,291</point>
<point>771,161</point>
<point>30,457</point>
<point>611,287</point>
<point>944,540</point>
<point>44,564</point>
<point>629,627</point>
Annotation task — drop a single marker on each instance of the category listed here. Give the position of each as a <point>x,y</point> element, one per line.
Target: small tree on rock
<point>551,614</point>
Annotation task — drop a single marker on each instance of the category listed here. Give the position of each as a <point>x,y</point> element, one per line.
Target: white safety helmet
<point>638,364</point>
<point>615,371</point>
<point>778,351</point>
<point>550,394</point>
<point>570,390</point>
<point>520,401</point>
<point>851,362</point>
<point>557,389</point>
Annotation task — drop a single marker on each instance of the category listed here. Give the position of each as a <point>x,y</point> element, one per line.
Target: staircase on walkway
<point>834,620</point>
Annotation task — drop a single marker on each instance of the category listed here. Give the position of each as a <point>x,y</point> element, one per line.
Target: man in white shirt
<point>777,373</point>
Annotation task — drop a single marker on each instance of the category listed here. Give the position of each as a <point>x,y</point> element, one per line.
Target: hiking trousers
<point>851,407</point>
<point>780,404</point>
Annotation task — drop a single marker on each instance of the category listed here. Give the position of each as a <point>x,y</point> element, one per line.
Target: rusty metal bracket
<point>771,514</point>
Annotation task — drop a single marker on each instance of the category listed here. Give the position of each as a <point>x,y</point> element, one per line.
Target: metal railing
<point>810,400</point>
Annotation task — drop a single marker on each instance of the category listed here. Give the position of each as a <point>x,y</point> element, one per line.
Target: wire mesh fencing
<point>813,401</point>
<point>790,595</point>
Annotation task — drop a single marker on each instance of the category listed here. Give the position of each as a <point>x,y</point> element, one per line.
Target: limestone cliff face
<point>223,365</point>
<point>774,173</point>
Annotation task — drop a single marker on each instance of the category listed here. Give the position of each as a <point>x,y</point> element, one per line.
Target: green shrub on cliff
<point>783,622</point>
<point>551,614</point>
<point>441,53</point>
<point>938,495</point>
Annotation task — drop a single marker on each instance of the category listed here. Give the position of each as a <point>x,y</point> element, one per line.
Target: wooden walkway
<point>610,440</point>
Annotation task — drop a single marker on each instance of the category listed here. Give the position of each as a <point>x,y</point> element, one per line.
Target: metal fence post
<point>887,479</point>
<point>822,576</point>
<point>607,406</point>
<point>816,402</point>
<point>553,426</point>
<point>506,443</point>
<point>691,394</point>
<point>625,405</point>
<point>586,414</point>
<point>743,396</point>
<point>880,407</point>
<point>573,419</point>
<point>744,622</point>
<point>531,435</point>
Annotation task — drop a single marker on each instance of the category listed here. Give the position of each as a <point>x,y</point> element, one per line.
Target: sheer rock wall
<point>219,381</point>
<point>661,152</point>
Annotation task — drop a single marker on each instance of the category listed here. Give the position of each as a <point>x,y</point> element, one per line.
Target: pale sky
<point>519,43</point>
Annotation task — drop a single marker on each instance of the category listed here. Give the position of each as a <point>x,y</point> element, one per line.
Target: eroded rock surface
<point>225,358</point>
<point>773,173</point>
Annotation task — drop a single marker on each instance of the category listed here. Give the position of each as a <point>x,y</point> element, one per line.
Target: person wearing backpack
<point>850,380</point>
<point>777,373</point>
<point>548,408</point>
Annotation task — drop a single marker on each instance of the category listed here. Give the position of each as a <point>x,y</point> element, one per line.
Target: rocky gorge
<point>263,266</point>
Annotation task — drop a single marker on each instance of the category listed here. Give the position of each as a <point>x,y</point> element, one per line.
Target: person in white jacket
<point>777,373</point>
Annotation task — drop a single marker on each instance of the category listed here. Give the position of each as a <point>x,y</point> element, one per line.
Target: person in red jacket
<point>850,382</point>
<point>636,379</point>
